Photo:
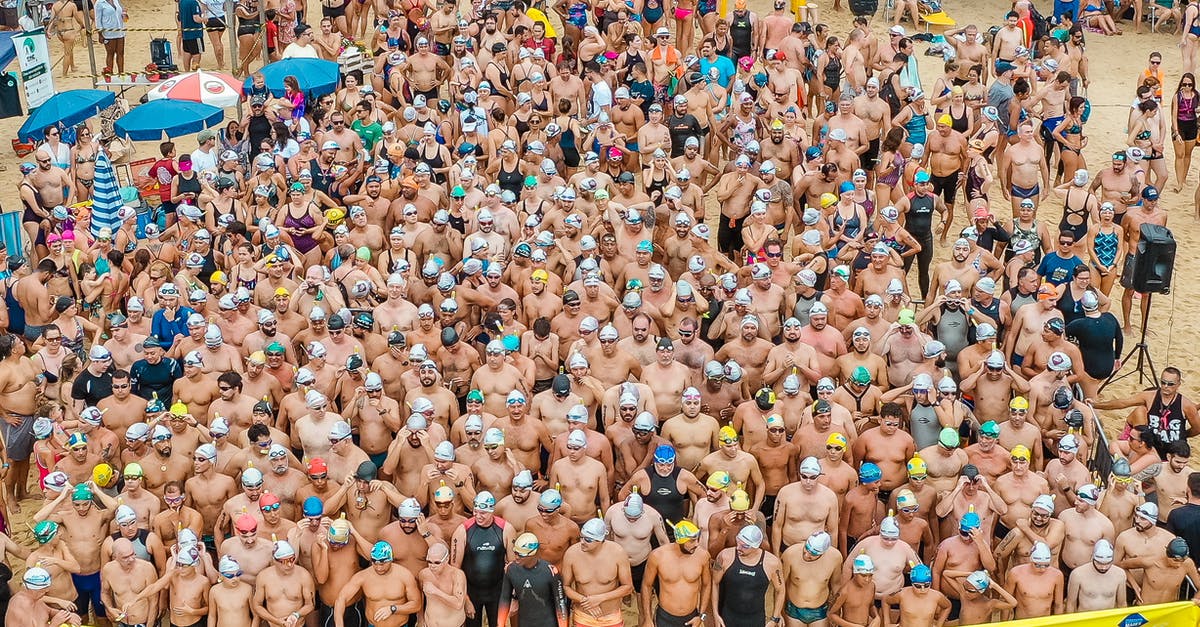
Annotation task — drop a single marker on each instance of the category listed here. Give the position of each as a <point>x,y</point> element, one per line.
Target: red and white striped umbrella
<point>211,88</point>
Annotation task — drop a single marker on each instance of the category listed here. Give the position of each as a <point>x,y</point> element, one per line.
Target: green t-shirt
<point>370,133</point>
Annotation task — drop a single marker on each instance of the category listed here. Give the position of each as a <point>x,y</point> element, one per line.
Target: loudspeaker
<point>1155,260</point>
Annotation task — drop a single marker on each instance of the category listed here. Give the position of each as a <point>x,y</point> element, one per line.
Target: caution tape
<point>156,30</point>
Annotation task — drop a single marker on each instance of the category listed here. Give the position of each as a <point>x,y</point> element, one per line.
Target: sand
<point>1115,65</point>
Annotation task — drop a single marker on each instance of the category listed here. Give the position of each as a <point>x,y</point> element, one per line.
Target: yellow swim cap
<point>739,501</point>
<point>727,435</point>
<point>1021,451</point>
<point>1019,402</point>
<point>719,480</point>
<point>916,466</point>
<point>836,439</point>
<point>685,530</point>
<point>179,408</point>
<point>828,200</point>
<point>102,474</point>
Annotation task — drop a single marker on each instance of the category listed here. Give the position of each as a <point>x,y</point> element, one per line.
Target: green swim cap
<point>81,493</point>
<point>363,253</point>
<point>45,531</point>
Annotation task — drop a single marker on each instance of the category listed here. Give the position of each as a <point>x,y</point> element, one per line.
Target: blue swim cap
<point>869,473</point>
<point>970,520</point>
<point>382,551</point>
<point>922,574</point>
<point>664,454</point>
<point>313,506</point>
<point>846,186</point>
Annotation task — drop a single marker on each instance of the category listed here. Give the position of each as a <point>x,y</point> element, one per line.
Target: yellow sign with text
<point>1181,614</point>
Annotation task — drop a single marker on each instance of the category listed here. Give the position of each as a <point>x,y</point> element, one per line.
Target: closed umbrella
<point>67,108</point>
<point>106,196</point>
<point>211,88</point>
<point>172,118</point>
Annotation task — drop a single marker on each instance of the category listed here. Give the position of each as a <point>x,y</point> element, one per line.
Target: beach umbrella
<point>68,108</point>
<point>316,77</point>
<point>106,196</point>
<point>172,118</point>
<point>211,88</point>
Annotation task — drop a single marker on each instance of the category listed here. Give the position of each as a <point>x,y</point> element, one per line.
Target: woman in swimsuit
<point>1106,247</point>
<point>303,220</point>
<point>66,21</point>
<point>83,155</point>
<point>1149,133</point>
<point>890,167</point>
<point>1079,208</point>
<point>979,175</point>
<point>849,218</point>
<point>74,328</point>
<point>1069,135</point>
<point>1184,109</point>
<point>862,196</point>
<point>941,87</point>
<point>684,12</point>
<point>962,119</point>
<point>974,91</point>
<point>569,134</point>
<point>349,95</point>
<point>988,132</point>
<point>1190,39</point>
<point>916,121</point>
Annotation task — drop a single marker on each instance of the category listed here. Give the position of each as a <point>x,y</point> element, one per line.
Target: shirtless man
<point>391,592</point>
<point>29,606</point>
<point>229,601</point>
<point>919,603</point>
<point>811,574</point>
<point>1037,586</point>
<point>121,581</point>
<point>803,508</point>
<point>1028,172</point>
<point>683,577</point>
<point>596,577</point>
<point>1099,585</point>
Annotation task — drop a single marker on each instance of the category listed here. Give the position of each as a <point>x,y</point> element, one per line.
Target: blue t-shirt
<point>189,11</point>
<point>166,330</point>
<point>724,65</point>
<point>1057,270</point>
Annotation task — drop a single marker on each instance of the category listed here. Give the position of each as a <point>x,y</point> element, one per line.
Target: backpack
<point>887,92</point>
<point>1041,27</point>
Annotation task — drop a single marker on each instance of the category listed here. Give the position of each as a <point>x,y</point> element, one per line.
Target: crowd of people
<point>614,324</point>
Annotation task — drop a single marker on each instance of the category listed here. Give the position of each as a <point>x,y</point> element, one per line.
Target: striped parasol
<point>106,196</point>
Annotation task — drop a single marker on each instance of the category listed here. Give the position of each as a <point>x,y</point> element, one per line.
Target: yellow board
<point>1182,614</point>
<point>538,16</point>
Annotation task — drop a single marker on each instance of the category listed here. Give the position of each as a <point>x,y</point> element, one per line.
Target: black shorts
<point>947,186</point>
<point>215,25</point>
<point>1187,130</point>
<point>247,29</point>
<point>870,158</point>
<point>333,12</point>
<point>193,46</point>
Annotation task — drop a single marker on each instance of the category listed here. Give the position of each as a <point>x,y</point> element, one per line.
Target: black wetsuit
<point>1100,341</point>
<point>919,223</point>
<point>665,496</point>
<point>743,588</point>
<point>538,592</point>
<point>483,563</point>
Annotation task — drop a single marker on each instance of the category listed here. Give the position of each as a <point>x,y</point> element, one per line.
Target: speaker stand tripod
<point>1145,364</point>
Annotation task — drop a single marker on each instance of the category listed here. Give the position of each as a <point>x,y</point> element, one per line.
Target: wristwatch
<point>775,619</point>
<point>393,608</point>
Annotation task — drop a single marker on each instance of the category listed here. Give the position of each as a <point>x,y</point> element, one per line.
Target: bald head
<point>122,548</point>
<point>437,553</point>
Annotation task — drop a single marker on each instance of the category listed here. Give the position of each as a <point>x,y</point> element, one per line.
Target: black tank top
<point>740,31</point>
<point>483,557</point>
<point>510,180</point>
<point>743,588</point>
<point>258,128</point>
<point>920,216</point>
<point>1167,421</point>
<point>664,495</point>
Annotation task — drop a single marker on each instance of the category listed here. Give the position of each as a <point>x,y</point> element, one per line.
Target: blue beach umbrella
<point>68,108</point>
<point>172,118</point>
